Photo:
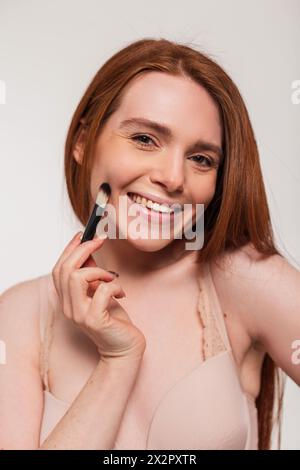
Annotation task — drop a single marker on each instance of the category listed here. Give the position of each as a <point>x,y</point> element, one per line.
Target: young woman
<point>190,357</point>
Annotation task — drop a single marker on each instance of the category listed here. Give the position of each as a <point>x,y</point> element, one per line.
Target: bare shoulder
<point>252,284</point>
<point>248,263</point>
<point>23,294</point>
<point>20,312</point>
<point>21,387</point>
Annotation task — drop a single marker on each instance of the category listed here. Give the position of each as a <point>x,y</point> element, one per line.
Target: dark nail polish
<point>114,273</point>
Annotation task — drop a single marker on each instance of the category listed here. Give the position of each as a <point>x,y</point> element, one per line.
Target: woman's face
<point>173,165</point>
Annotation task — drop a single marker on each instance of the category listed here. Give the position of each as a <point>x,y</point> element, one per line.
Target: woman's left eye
<point>199,157</point>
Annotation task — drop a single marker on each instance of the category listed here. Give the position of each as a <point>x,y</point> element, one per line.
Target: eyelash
<point>143,144</point>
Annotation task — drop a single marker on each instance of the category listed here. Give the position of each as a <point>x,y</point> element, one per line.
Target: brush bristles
<point>103,195</point>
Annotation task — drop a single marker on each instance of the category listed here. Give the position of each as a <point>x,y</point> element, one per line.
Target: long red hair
<point>238,213</point>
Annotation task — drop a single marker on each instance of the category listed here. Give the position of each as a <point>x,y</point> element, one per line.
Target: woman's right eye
<point>139,142</point>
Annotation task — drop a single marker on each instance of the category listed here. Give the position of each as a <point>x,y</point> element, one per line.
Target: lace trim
<point>212,342</point>
<point>47,325</point>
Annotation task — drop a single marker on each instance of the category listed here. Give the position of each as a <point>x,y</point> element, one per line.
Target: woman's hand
<point>85,295</point>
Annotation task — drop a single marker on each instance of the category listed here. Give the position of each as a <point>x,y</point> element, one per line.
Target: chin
<point>149,245</point>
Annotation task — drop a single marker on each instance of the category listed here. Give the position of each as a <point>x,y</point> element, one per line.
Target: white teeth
<point>151,204</point>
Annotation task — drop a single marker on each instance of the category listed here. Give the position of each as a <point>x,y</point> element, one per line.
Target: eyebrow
<point>166,132</point>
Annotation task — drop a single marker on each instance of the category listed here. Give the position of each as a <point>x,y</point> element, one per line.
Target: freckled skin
<point>160,276</point>
<point>164,168</point>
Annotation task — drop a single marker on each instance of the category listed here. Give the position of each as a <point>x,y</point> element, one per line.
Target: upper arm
<point>267,292</point>
<point>21,392</point>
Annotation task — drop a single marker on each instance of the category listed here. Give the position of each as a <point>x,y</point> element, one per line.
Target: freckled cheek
<point>204,191</point>
<point>121,171</point>
<point>117,167</point>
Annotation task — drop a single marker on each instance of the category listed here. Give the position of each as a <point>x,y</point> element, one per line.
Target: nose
<point>169,173</point>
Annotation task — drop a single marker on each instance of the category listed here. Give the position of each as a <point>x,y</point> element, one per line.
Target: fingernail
<point>78,236</point>
<point>102,236</point>
<point>114,273</point>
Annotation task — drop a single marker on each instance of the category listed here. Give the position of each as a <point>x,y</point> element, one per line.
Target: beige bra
<point>207,408</point>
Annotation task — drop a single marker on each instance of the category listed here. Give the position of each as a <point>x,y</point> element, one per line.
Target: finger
<point>74,261</point>
<point>68,249</point>
<point>90,263</point>
<point>81,253</point>
<point>79,283</point>
<point>97,315</point>
<point>80,280</point>
<point>93,285</point>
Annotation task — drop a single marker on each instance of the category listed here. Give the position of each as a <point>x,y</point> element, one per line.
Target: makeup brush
<point>99,208</point>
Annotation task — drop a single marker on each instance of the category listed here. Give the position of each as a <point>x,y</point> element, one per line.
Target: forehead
<point>181,103</point>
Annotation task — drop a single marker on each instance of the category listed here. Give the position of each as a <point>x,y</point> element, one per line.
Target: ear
<point>79,146</point>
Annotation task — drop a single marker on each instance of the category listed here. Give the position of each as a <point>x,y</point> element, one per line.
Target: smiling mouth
<point>153,206</point>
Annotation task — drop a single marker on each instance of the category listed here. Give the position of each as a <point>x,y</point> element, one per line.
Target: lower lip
<point>151,215</point>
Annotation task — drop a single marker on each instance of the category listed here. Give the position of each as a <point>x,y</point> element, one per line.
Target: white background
<point>49,52</point>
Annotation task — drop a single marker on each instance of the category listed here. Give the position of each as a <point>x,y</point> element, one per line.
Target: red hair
<point>238,213</point>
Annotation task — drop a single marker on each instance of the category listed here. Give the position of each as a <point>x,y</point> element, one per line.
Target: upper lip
<point>154,198</point>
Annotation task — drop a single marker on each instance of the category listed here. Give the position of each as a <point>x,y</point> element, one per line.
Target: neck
<point>121,256</point>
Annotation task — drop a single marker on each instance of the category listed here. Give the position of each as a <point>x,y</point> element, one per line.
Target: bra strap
<point>219,314</point>
<point>215,339</point>
<point>46,329</point>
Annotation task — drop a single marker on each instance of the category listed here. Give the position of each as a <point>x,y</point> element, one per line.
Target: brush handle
<point>92,223</point>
